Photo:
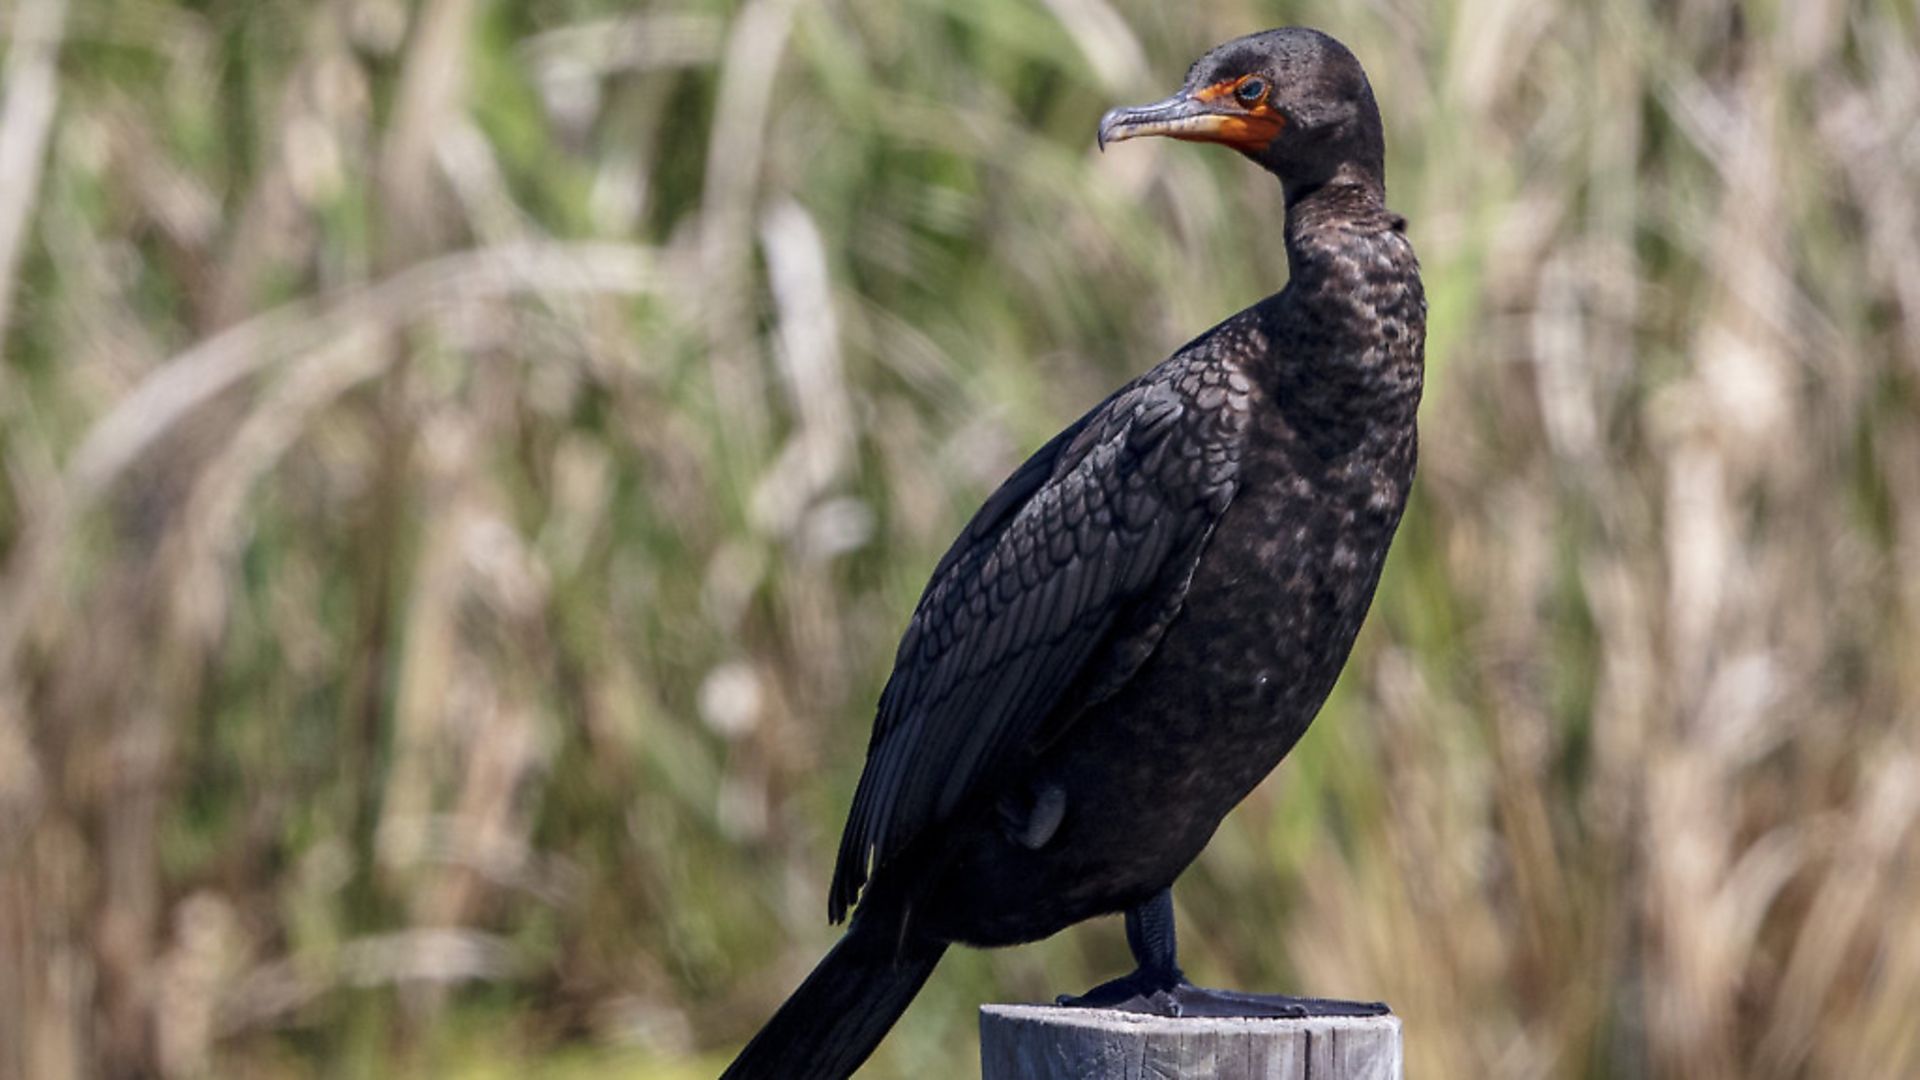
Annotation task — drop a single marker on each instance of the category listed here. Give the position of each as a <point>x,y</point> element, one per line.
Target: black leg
<point>1150,936</point>
<point>1151,987</point>
<point>1158,987</point>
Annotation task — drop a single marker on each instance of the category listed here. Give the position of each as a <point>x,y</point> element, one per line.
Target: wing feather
<point>1086,531</point>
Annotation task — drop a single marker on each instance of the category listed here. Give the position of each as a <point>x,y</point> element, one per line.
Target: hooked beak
<point>1195,119</point>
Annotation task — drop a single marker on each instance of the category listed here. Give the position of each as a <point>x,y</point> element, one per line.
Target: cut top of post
<point>1036,1042</point>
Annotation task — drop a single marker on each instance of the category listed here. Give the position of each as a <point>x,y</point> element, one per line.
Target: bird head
<point>1294,100</point>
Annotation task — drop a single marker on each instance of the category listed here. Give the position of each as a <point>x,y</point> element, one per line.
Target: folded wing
<point>1104,521</point>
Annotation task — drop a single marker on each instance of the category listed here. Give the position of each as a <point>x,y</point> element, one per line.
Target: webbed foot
<point>1143,993</point>
<point>1135,993</point>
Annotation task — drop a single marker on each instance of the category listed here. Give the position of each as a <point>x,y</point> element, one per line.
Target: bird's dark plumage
<point>1142,621</point>
<point>1087,549</point>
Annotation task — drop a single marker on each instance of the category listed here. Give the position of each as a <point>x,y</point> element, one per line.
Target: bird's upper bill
<point>1234,113</point>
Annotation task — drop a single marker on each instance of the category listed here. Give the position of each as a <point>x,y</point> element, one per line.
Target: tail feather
<point>842,1011</point>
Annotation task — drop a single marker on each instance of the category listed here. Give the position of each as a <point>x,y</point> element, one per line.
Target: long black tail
<point>843,1010</point>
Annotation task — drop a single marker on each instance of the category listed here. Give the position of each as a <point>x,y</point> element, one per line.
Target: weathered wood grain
<point>1033,1042</point>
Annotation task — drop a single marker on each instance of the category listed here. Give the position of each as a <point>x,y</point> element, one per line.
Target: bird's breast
<point>1289,575</point>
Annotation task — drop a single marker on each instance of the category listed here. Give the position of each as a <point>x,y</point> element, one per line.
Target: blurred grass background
<point>467,465</point>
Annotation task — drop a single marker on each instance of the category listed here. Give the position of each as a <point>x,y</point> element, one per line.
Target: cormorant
<point>1141,622</point>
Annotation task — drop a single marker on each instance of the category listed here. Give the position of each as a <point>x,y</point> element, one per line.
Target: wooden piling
<point>1034,1042</point>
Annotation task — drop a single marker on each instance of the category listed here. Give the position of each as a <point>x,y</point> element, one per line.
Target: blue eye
<point>1251,91</point>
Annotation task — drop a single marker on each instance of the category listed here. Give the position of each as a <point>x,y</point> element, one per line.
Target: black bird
<point>1141,622</point>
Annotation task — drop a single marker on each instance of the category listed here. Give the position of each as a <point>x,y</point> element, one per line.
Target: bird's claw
<point>1136,993</point>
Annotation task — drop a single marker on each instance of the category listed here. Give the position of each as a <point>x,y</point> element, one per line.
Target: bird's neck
<point>1349,329</point>
<point>1348,200</point>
